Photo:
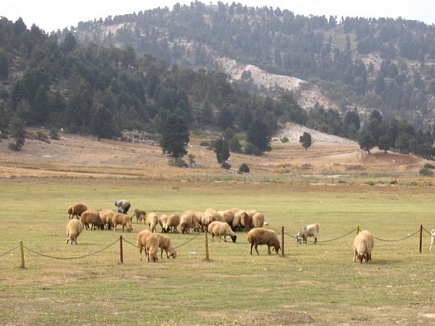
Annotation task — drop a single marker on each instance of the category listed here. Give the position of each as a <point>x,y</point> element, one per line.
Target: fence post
<point>23,264</point>
<point>206,245</point>
<point>357,229</point>
<point>121,251</point>
<point>282,240</point>
<point>421,238</point>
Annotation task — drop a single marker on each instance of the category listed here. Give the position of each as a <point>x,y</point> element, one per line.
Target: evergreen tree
<point>175,137</point>
<point>306,140</point>
<point>384,143</point>
<point>18,132</point>
<point>365,140</point>
<point>221,150</point>
<point>102,123</point>
<point>259,135</point>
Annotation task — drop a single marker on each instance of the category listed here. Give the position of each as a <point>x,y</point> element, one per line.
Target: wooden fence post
<point>121,251</point>
<point>420,244</point>
<point>357,229</point>
<point>282,240</point>
<point>23,263</point>
<point>206,245</point>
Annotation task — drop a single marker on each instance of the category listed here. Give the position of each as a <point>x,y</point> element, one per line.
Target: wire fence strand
<point>66,258</point>
<point>9,251</point>
<point>427,231</point>
<point>392,240</point>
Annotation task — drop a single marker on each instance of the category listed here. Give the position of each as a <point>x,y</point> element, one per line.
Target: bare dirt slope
<point>79,156</point>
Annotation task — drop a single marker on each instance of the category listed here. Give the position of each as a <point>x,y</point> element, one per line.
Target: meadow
<point>86,284</point>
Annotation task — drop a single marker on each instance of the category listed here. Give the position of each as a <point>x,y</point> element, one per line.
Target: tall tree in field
<point>222,151</point>
<point>306,140</point>
<point>366,141</point>
<point>18,132</point>
<point>175,136</point>
<point>259,135</point>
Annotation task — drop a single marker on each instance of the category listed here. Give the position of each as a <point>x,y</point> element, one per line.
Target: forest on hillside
<point>102,90</point>
<point>384,64</point>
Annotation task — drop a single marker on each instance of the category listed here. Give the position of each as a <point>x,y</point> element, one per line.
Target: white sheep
<point>163,220</point>
<point>227,215</point>
<point>122,219</point>
<point>362,246</point>
<point>432,240</point>
<point>152,221</point>
<point>186,223</point>
<point>261,236</point>
<point>219,229</point>
<point>106,216</point>
<point>150,241</point>
<point>258,220</point>
<point>165,244</point>
<point>73,230</point>
<point>310,230</point>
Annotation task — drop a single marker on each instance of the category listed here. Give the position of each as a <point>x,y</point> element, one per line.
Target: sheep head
<point>233,237</point>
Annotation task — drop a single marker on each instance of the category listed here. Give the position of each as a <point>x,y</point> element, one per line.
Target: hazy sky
<point>51,15</point>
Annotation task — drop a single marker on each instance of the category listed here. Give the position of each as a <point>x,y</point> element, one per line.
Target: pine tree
<point>305,140</point>
<point>258,135</point>
<point>221,150</point>
<point>175,137</point>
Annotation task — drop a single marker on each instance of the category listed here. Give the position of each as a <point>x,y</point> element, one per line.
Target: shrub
<point>205,143</point>
<point>54,134</point>
<point>226,165</point>
<point>426,172</point>
<point>244,168</point>
<point>429,166</point>
<point>284,139</point>
<point>178,162</point>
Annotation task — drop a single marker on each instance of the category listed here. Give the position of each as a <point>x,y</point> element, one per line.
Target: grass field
<point>312,284</point>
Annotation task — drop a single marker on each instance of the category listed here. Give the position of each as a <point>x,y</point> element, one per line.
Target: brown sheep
<point>140,216</point>
<point>150,241</point>
<point>166,245</point>
<point>106,216</point>
<point>186,223</point>
<point>246,221</point>
<point>258,220</point>
<point>73,230</point>
<point>124,220</point>
<point>172,223</point>
<point>91,219</point>
<point>152,220</point>
<point>261,236</point>
<point>77,210</point>
<point>70,211</point>
<point>227,216</point>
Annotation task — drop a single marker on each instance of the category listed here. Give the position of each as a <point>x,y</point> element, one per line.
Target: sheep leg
<point>315,240</point>
<point>268,250</point>
<point>354,255</point>
<point>251,248</point>
<point>140,252</point>
<point>256,248</point>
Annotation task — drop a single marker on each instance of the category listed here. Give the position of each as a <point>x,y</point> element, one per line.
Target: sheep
<point>186,223</point>
<point>76,210</point>
<point>261,236</point>
<point>172,223</point>
<point>166,245</point>
<point>311,230</point>
<point>163,220</point>
<point>73,230</point>
<point>152,221</point>
<point>228,216</point>
<point>237,224</point>
<point>218,228</point>
<point>106,216</point>
<point>246,220</point>
<point>258,220</point>
<point>362,246</point>
<point>150,241</point>
<point>91,217</point>
<point>140,215</point>
<point>124,220</point>
<point>432,240</point>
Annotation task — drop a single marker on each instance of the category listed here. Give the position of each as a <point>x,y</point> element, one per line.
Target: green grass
<point>312,284</point>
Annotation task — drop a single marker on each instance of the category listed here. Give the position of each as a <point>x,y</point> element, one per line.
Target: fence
<point>121,241</point>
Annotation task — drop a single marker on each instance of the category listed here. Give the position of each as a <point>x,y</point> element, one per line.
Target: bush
<point>205,143</point>
<point>429,166</point>
<point>178,162</point>
<point>244,168</point>
<point>426,172</point>
<point>54,134</point>
<point>284,140</point>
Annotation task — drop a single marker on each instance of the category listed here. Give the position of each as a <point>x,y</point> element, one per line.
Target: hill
<point>74,156</point>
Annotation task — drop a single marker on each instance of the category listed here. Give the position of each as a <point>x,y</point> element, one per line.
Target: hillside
<point>77,157</point>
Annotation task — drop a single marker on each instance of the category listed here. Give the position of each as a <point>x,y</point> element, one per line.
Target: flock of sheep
<point>217,223</point>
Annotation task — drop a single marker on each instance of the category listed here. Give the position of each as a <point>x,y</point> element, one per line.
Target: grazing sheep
<point>163,220</point>
<point>91,217</point>
<point>166,245</point>
<point>77,210</point>
<point>186,223</point>
<point>237,224</point>
<point>106,216</point>
<point>258,220</point>
<point>152,221</point>
<point>124,220</point>
<point>246,220</point>
<point>311,230</point>
<point>172,223</point>
<point>70,211</point>
<point>218,228</point>
<point>150,241</point>
<point>432,240</point>
<point>261,236</point>
<point>215,214</point>
<point>73,230</point>
<point>140,216</point>
<point>362,246</point>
